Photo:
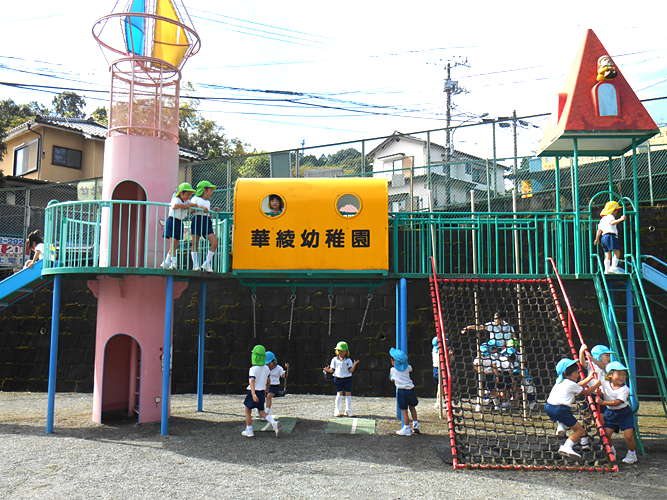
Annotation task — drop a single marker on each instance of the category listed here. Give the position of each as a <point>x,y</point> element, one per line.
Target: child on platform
<point>561,397</point>
<point>276,373</point>
<point>342,368</point>
<point>203,226</point>
<point>35,244</point>
<point>173,229</point>
<point>618,415</point>
<point>607,234</point>
<point>259,379</point>
<point>406,397</point>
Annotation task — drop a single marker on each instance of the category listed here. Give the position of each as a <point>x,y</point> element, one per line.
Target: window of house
<point>479,175</point>
<point>66,157</point>
<point>25,158</point>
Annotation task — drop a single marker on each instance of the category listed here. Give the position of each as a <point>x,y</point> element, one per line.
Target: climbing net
<point>499,422</point>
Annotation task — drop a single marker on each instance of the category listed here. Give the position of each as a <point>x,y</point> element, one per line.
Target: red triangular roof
<point>579,118</point>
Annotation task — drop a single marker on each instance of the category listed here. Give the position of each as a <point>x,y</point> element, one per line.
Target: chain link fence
<point>425,171</point>
<point>22,212</point>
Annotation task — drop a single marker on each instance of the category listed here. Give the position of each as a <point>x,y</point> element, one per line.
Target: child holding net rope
<point>561,397</point>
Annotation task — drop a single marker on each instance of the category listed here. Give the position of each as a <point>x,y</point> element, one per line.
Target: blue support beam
<point>401,326</point>
<point>53,360</point>
<point>200,357</point>
<point>166,365</point>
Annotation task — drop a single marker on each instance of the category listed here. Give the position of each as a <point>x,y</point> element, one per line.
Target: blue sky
<point>352,70</point>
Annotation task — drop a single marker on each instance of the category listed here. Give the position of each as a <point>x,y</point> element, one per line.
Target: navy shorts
<point>610,242</point>
<point>619,419</point>
<point>343,384</point>
<point>435,375</point>
<point>273,389</point>
<point>506,380</point>
<point>560,413</point>
<point>201,225</point>
<point>173,229</point>
<point>250,403</point>
<point>406,397</point>
<point>489,382</point>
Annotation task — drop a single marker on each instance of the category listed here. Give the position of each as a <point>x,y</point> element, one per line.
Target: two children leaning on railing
<point>200,226</point>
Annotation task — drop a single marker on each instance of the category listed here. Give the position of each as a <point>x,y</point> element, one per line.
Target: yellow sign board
<point>311,224</point>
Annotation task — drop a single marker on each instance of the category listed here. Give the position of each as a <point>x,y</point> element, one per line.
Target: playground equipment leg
<point>401,326</point>
<point>53,361</point>
<point>200,358</point>
<point>166,370</point>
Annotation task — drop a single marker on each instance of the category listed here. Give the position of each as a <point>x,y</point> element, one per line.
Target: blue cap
<point>270,357</point>
<point>484,348</point>
<point>400,358</point>
<point>435,341</point>
<point>616,365</point>
<point>516,371</point>
<point>563,365</point>
<point>599,350</point>
<point>509,351</point>
<point>492,343</point>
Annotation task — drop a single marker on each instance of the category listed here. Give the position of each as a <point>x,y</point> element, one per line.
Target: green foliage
<point>69,104</point>
<point>197,133</point>
<point>12,115</point>
<point>256,166</point>
<point>349,160</point>
<point>101,115</point>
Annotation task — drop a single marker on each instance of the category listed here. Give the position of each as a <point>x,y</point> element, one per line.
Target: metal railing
<point>129,236</point>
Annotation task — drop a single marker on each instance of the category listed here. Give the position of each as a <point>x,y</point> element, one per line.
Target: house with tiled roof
<point>59,149</point>
<point>403,159</point>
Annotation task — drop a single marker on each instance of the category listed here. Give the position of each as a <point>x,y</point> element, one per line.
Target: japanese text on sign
<point>310,238</point>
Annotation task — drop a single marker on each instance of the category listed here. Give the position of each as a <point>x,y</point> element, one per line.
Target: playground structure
<point>473,257</point>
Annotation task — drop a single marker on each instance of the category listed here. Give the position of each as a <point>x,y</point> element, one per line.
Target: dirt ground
<point>205,456</point>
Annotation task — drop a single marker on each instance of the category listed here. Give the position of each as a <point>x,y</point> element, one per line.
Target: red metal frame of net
<point>512,437</point>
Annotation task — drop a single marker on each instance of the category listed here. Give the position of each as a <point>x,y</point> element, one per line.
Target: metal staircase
<point>632,335</point>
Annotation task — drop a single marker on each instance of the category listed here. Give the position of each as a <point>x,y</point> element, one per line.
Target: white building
<point>404,160</point>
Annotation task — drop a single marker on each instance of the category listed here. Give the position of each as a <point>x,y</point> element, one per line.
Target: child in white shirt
<point>618,415</point>
<point>173,229</point>
<point>256,391</point>
<point>36,244</point>
<point>203,226</point>
<point>276,373</point>
<point>561,397</point>
<point>406,397</point>
<point>607,234</point>
<point>342,368</point>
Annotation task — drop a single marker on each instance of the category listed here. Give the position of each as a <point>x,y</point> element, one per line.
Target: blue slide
<point>21,284</point>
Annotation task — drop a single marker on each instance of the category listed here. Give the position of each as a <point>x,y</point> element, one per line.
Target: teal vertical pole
<point>635,186</point>
<point>200,357</point>
<point>630,315</point>
<point>577,214</point>
<point>53,361</point>
<point>611,178</point>
<point>166,355</point>
<point>559,226</point>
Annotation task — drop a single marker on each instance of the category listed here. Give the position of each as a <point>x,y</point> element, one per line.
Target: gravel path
<point>205,456</point>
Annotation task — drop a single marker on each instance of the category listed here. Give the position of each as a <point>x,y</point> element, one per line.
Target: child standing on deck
<point>561,397</point>
<point>259,380</point>
<point>173,229</point>
<point>618,415</point>
<point>35,244</point>
<point>276,372</point>
<point>342,368</point>
<point>406,397</point>
<point>607,233</point>
<point>203,226</point>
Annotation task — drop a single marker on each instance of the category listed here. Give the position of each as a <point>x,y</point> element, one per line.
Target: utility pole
<point>451,88</point>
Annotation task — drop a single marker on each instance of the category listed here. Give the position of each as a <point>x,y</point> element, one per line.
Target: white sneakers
<point>405,431</point>
<point>349,413</point>
<point>585,445</point>
<point>478,408</point>
<point>278,428</point>
<point>568,452</point>
<point>337,413</point>
<point>196,268</point>
<point>208,267</point>
<point>248,433</point>
<point>630,458</point>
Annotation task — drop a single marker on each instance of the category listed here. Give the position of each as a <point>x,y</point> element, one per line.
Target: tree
<point>12,115</point>
<point>256,166</point>
<point>101,115</point>
<point>200,134</point>
<point>69,104</point>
